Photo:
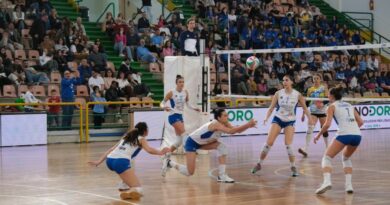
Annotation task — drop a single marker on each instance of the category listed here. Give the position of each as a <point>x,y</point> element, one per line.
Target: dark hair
<point>178,77</point>
<point>289,77</point>
<point>337,92</point>
<point>218,113</point>
<point>95,88</point>
<point>131,137</point>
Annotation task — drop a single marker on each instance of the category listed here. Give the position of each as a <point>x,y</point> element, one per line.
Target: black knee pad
<point>326,134</point>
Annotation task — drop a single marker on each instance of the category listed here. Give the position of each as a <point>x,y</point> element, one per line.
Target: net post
<point>229,73</point>
<point>205,76</point>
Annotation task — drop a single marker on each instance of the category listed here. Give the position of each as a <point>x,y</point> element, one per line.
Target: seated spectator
<point>167,49</point>
<point>60,45</point>
<point>373,63</point>
<point>125,66</point>
<point>15,36</point>
<point>6,42</point>
<point>144,54</point>
<point>120,42</point>
<point>35,77</point>
<point>5,18</point>
<point>108,79</point>
<point>120,19</point>
<point>262,87</point>
<point>79,27</point>
<point>157,41</point>
<point>122,80</point>
<point>30,98</point>
<point>96,80</point>
<point>47,44</point>
<point>17,75</point>
<point>140,89</point>
<point>54,20</point>
<point>273,84</point>
<point>96,59</point>
<point>143,23</point>
<point>108,24</point>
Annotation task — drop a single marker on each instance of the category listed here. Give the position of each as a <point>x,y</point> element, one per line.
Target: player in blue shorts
<point>347,140</point>
<point>207,137</point>
<point>119,156</point>
<point>178,99</point>
<point>286,101</point>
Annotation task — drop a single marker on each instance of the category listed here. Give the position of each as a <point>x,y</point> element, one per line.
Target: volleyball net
<point>362,70</point>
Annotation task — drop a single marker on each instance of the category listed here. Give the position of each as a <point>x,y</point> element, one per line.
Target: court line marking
<point>71,191</point>
<point>32,197</point>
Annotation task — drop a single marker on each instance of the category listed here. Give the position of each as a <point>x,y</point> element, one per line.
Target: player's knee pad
<point>266,148</point>
<point>178,142</point>
<point>289,151</point>
<point>346,162</point>
<point>326,161</point>
<point>326,134</point>
<point>222,149</point>
<point>310,129</point>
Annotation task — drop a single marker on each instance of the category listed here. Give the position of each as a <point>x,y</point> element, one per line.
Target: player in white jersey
<point>207,138</point>
<point>317,112</point>
<point>119,156</point>
<point>286,101</point>
<point>347,140</point>
<point>178,99</point>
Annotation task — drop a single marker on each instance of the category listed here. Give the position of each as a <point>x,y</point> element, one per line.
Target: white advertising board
<point>374,116</point>
<point>23,129</point>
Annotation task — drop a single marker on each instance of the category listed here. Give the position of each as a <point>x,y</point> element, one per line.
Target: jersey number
<point>348,112</point>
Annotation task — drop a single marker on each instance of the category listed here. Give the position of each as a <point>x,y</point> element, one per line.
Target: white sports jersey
<point>204,136</point>
<point>178,101</point>
<point>126,151</point>
<point>287,105</point>
<point>345,119</point>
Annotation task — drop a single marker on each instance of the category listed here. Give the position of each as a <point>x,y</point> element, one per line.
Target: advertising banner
<point>374,116</point>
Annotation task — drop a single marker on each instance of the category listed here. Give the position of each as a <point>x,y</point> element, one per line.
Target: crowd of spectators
<point>37,44</point>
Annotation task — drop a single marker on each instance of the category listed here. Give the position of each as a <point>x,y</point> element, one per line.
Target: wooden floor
<point>58,174</point>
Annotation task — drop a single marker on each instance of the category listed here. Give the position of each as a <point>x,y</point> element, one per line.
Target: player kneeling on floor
<point>207,137</point>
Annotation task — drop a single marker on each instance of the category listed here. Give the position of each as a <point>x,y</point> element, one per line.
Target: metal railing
<point>105,10</point>
<point>129,103</point>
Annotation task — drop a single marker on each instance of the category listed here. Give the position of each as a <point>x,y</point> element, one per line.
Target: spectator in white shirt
<point>122,80</point>
<point>30,98</point>
<point>95,80</point>
<point>373,63</point>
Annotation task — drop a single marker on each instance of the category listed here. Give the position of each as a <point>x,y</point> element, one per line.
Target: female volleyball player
<point>286,101</point>
<point>207,138</point>
<point>317,112</point>
<point>118,158</point>
<point>347,140</point>
<point>177,98</point>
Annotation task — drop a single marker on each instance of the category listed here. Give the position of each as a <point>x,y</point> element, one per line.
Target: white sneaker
<point>348,188</point>
<point>324,187</point>
<point>165,166</point>
<point>132,194</point>
<point>225,179</point>
<point>122,186</point>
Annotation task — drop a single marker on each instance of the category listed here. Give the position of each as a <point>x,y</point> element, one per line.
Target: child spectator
<point>54,110</point>
<point>98,110</point>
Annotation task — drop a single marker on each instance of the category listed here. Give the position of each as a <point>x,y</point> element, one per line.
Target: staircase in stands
<point>94,32</point>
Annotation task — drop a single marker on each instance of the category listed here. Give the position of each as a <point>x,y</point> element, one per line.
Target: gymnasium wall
<point>381,12</point>
<point>96,9</point>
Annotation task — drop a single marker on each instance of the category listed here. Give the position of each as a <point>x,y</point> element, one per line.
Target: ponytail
<point>131,137</point>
